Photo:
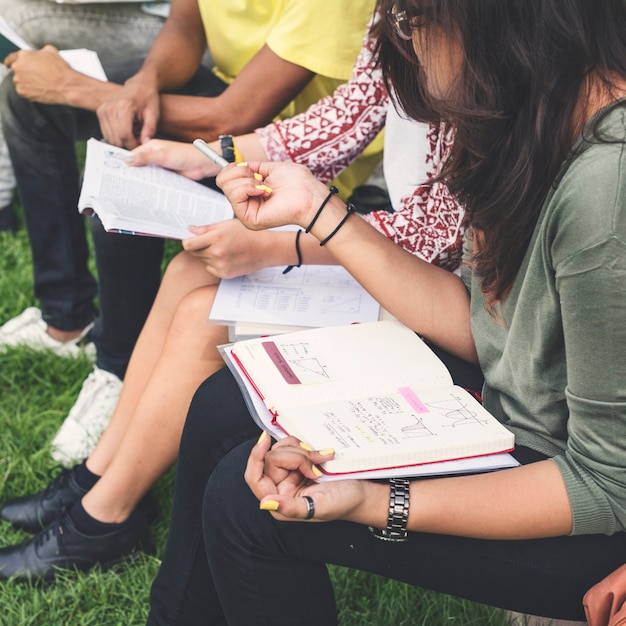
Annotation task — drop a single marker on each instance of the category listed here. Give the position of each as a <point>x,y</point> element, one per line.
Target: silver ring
<point>310,507</point>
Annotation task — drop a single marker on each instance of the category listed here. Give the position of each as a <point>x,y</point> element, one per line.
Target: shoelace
<point>56,483</point>
<point>53,530</point>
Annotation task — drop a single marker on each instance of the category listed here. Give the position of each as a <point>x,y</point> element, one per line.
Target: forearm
<point>430,300</point>
<point>87,93</point>
<point>263,88</point>
<point>171,62</point>
<point>521,503</point>
<point>177,50</point>
<point>278,248</point>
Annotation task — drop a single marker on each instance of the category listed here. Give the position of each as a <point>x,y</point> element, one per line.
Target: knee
<point>195,306</point>
<point>178,267</point>
<point>218,419</point>
<point>9,100</point>
<point>185,269</point>
<point>41,123</point>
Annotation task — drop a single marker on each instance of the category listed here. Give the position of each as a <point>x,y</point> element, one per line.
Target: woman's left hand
<point>279,477</point>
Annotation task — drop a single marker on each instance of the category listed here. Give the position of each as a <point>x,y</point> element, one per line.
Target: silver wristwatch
<point>398,512</point>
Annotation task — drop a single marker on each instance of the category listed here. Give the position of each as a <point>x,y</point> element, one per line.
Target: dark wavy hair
<point>515,106</point>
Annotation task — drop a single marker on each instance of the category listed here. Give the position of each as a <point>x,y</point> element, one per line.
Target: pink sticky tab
<point>281,364</point>
<point>416,404</point>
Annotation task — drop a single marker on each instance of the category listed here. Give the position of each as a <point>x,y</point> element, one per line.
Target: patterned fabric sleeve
<point>429,223</point>
<point>332,133</point>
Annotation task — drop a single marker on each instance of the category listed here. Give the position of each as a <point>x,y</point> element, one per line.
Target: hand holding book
<point>284,477</point>
<point>374,392</point>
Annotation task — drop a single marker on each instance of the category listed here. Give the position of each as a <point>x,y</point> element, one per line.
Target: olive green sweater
<point>555,361</point>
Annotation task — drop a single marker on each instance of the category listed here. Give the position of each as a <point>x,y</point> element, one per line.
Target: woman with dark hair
<point>535,92</point>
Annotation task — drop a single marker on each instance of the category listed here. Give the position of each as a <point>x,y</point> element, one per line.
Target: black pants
<point>227,562</point>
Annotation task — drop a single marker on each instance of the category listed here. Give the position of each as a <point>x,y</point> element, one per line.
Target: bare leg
<point>184,274</point>
<point>151,439</point>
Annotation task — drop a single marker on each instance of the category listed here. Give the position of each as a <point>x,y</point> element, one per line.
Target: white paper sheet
<point>309,296</point>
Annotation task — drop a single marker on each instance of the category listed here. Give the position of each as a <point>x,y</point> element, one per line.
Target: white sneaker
<point>29,329</point>
<point>88,418</point>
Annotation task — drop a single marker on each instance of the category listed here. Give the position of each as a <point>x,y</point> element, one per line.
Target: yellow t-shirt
<point>323,36</point>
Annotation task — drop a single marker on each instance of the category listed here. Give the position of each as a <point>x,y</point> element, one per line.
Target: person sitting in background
<point>538,161</point>
<point>107,496</point>
<point>268,62</point>
<point>114,31</point>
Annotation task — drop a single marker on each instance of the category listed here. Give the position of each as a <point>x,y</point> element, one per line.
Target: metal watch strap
<point>398,512</point>
<point>227,146</point>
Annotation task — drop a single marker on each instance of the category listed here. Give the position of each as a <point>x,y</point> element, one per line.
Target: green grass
<point>37,391</point>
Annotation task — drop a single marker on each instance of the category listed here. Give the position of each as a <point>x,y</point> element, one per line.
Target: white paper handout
<point>308,296</point>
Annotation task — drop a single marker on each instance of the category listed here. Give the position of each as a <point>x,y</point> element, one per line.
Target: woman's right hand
<point>178,156</point>
<point>266,194</point>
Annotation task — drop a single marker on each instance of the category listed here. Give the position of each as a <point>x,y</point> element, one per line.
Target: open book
<point>148,200</point>
<point>374,392</point>
<point>80,59</point>
<point>10,40</point>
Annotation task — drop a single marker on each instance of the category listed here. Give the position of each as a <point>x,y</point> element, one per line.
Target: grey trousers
<point>113,30</point>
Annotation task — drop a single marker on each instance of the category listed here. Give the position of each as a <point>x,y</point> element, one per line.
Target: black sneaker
<point>34,512</point>
<point>62,546</point>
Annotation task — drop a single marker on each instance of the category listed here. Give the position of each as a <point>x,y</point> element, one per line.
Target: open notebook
<point>374,392</point>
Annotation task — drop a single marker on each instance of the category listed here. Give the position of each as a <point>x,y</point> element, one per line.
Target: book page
<point>337,363</point>
<point>310,296</point>
<point>265,421</point>
<point>145,200</point>
<point>84,61</point>
<point>411,426</point>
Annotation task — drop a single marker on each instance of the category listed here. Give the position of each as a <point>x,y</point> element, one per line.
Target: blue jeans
<point>114,31</point>
<point>228,562</point>
<point>41,141</point>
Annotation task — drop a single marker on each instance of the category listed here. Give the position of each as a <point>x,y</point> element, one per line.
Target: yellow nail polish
<point>243,164</point>
<point>262,436</point>
<point>258,176</point>
<point>306,446</point>
<point>264,188</point>
<point>269,505</point>
<point>317,471</point>
<point>327,451</point>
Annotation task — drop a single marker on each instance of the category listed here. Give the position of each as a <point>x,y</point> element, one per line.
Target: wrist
<point>146,79</point>
<point>329,216</point>
<point>83,92</point>
<point>395,528</point>
<point>331,220</point>
<point>373,505</point>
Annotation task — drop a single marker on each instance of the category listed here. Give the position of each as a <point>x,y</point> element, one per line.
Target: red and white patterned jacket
<point>333,132</point>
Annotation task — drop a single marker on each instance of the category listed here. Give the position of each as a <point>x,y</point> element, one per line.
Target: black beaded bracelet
<point>332,191</point>
<point>349,211</point>
<point>398,515</point>
<point>298,252</point>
